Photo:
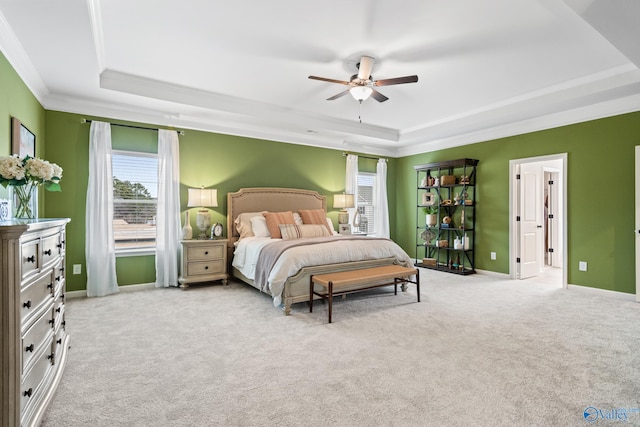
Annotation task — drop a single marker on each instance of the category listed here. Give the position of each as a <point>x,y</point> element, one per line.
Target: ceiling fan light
<point>360,93</point>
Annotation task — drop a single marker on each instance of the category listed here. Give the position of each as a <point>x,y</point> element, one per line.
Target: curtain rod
<point>344,154</point>
<point>180,132</point>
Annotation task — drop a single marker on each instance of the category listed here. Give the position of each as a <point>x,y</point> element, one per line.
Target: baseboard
<point>124,288</point>
<point>604,292</point>
<point>495,274</point>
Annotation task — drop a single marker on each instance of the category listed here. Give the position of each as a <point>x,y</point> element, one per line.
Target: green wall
<point>16,100</point>
<point>224,162</point>
<point>600,195</point>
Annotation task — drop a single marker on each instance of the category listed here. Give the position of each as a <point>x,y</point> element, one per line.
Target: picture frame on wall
<point>23,141</point>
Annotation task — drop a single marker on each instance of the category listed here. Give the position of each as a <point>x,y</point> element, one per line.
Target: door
<point>637,230</point>
<point>531,221</point>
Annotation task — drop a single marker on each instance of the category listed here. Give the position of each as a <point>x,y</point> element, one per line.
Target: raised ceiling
<point>487,68</point>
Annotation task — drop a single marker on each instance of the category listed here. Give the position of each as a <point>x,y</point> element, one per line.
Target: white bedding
<point>338,251</point>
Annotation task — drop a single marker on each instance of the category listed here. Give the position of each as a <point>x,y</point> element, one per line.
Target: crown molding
<point>15,54</point>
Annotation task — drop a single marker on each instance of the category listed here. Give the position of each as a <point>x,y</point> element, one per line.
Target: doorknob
<point>538,226</point>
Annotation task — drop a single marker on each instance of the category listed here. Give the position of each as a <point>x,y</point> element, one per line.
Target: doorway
<point>537,212</point>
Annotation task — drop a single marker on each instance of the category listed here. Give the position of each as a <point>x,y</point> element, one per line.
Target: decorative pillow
<point>274,219</point>
<point>293,231</point>
<point>243,223</point>
<point>314,216</point>
<point>297,218</point>
<point>259,226</point>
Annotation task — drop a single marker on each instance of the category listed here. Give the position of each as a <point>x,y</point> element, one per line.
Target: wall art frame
<point>23,141</point>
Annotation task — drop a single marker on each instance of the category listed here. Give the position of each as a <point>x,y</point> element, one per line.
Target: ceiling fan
<point>362,84</point>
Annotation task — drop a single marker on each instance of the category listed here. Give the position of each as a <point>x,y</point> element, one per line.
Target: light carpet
<point>477,351</point>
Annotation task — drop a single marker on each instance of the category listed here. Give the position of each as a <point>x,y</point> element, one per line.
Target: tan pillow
<point>293,231</point>
<point>314,216</point>
<point>274,219</point>
<point>243,223</point>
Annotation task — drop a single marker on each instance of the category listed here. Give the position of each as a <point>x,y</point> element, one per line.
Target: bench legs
<point>329,295</point>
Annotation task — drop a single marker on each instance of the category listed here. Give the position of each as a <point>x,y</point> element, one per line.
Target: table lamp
<point>203,198</point>
<point>343,201</point>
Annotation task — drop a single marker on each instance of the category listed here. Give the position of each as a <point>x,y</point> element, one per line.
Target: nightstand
<point>203,261</point>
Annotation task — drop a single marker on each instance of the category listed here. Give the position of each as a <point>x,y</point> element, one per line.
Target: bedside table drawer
<point>201,268</point>
<point>205,252</point>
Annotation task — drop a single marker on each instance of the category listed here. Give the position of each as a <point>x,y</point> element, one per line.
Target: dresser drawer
<point>34,294</point>
<point>51,248</point>
<point>203,268</point>
<point>29,257</point>
<point>32,382</point>
<point>205,252</point>
<point>36,336</point>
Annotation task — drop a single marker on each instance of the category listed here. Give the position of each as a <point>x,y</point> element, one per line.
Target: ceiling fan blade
<point>364,67</point>
<point>324,79</point>
<point>339,95</point>
<point>378,96</point>
<point>396,81</point>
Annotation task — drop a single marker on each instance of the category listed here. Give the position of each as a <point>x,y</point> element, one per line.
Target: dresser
<point>203,261</point>
<point>33,339</point>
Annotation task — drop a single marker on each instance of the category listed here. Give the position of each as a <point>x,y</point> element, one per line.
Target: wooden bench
<point>360,280</point>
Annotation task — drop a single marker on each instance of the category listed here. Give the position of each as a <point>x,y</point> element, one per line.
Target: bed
<point>288,281</point>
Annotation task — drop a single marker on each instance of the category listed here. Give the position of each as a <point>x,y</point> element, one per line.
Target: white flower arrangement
<point>29,171</point>
<point>25,174</point>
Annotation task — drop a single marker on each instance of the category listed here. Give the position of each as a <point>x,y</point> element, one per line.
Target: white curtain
<point>351,184</point>
<point>168,232</point>
<point>381,213</point>
<point>99,244</point>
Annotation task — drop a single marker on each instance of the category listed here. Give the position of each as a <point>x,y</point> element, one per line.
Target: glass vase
<point>25,201</point>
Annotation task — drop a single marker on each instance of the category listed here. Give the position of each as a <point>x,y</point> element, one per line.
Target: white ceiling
<point>487,68</point>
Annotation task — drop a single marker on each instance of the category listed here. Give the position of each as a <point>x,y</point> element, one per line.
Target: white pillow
<point>331,229</point>
<point>259,226</point>
<point>243,223</point>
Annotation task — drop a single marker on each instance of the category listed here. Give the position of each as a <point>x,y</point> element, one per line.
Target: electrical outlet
<point>582,266</point>
<point>77,268</point>
<point>493,256</point>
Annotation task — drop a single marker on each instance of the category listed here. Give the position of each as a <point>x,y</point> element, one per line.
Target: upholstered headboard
<point>271,199</point>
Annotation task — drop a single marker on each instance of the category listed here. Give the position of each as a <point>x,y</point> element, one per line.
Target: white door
<point>637,230</point>
<point>531,222</point>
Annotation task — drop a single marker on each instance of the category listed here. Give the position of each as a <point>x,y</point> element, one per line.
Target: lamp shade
<point>202,197</point>
<point>343,201</point>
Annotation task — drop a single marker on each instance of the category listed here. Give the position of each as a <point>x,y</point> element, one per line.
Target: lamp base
<point>343,217</point>
<point>203,222</point>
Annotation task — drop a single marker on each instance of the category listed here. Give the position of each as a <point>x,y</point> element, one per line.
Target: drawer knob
<point>28,392</point>
<point>206,267</point>
<point>58,309</point>
<point>27,304</point>
<point>29,348</point>
<point>51,322</point>
<point>57,278</point>
<point>59,245</point>
<point>51,356</point>
<point>47,252</point>
<point>32,258</point>
<point>50,286</point>
<point>206,252</point>
<point>59,341</point>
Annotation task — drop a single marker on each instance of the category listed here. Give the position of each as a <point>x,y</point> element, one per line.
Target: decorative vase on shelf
<point>25,201</point>
<point>187,231</point>
<point>431,220</point>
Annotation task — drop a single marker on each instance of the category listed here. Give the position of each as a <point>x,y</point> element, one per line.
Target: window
<point>135,201</point>
<point>366,202</point>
